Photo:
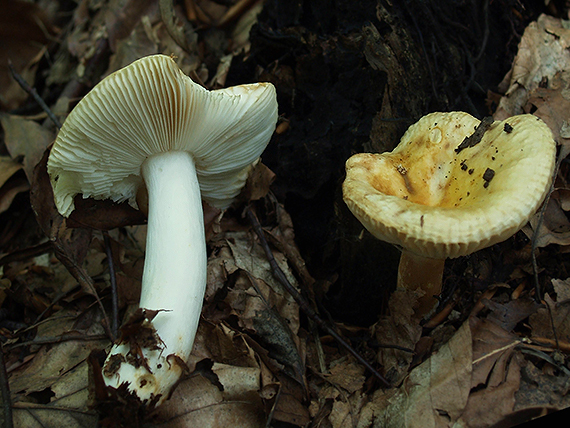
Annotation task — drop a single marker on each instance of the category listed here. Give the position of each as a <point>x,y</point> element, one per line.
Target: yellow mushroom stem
<point>421,273</point>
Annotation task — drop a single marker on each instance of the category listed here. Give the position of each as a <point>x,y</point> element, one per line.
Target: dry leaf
<point>495,377</point>
<point>197,402</point>
<point>555,227</point>
<point>25,138</point>
<point>346,374</point>
<point>491,405</point>
<point>54,360</point>
<point>551,103</point>
<point>508,315</point>
<point>30,415</point>
<point>541,392</point>
<point>10,190</point>
<point>556,316</point>
<point>436,392</point>
<point>8,168</point>
<point>400,328</point>
<point>25,32</point>
<point>542,52</point>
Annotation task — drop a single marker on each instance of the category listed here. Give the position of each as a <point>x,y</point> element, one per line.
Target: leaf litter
<point>256,359</point>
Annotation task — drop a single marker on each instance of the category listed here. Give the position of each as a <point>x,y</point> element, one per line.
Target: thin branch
<point>32,91</point>
<point>54,302</point>
<point>534,240</point>
<point>305,307</point>
<point>84,280</point>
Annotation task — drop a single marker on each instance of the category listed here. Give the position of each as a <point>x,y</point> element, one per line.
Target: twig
<point>54,302</point>
<point>534,239</point>
<point>60,339</point>
<point>32,91</point>
<point>540,354</point>
<point>114,292</point>
<point>537,288</point>
<point>84,280</point>
<point>305,307</point>
<point>5,391</point>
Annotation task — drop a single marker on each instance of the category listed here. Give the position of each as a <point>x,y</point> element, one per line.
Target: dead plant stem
<point>305,307</point>
<point>32,91</point>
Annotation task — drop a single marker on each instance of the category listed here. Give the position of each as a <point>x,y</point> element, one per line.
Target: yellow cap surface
<point>439,202</point>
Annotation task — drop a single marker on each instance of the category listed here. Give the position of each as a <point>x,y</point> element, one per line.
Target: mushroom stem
<point>174,277</point>
<point>424,273</point>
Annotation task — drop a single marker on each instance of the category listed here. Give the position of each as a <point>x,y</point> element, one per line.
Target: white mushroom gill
<point>148,122</point>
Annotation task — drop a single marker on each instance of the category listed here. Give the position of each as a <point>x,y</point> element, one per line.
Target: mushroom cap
<point>436,202</point>
<point>151,107</point>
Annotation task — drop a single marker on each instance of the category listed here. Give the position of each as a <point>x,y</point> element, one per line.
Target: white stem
<point>174,277</point>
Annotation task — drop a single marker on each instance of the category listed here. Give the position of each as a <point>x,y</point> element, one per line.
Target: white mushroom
<point>148,122</point>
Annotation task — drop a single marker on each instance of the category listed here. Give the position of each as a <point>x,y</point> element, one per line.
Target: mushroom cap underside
<point>439,201</point>
<point>151,107</point>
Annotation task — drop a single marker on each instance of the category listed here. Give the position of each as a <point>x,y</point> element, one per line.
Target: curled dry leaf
<point>340,397</point>
<point>539,83</point>
<point>556,317</point>
<point>101,215</point>
<point>25,139</point>
<point>401,328</point>
<point>262,306</point>
<point>554,228</point>
<point>551,102</point>
<point>542,52</point>
<point>436,392</point>
<point>471,381</point>
<point>52,388</point>
<point>10,183</point>
<point>198,402</point>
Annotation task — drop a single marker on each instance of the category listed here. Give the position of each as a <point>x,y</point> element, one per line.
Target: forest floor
<point>350,77</point>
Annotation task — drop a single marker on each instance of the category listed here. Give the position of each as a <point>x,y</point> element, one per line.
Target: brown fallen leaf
<point>551,102</point>
<point>435,392</point>
<point>401,328</point>
<point>541,392</point>
<point>26,29</point>
<point>554,228</point>
<point>493,350</point>
<point>25,139</point>
<point>346,374</point>
<point>10,190</point>
<point>493,404</point>
<point>52,388</point>
<point>340,397</point>
<point>10,184</point>
<point>554,319</point>
<point>508,315</point>
<point>542,52</point>
<point>8,167</point>
<point>197,402</point>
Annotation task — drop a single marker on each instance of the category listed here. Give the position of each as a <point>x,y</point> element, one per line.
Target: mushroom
<point>149,124</point>
<point>454,185</point>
